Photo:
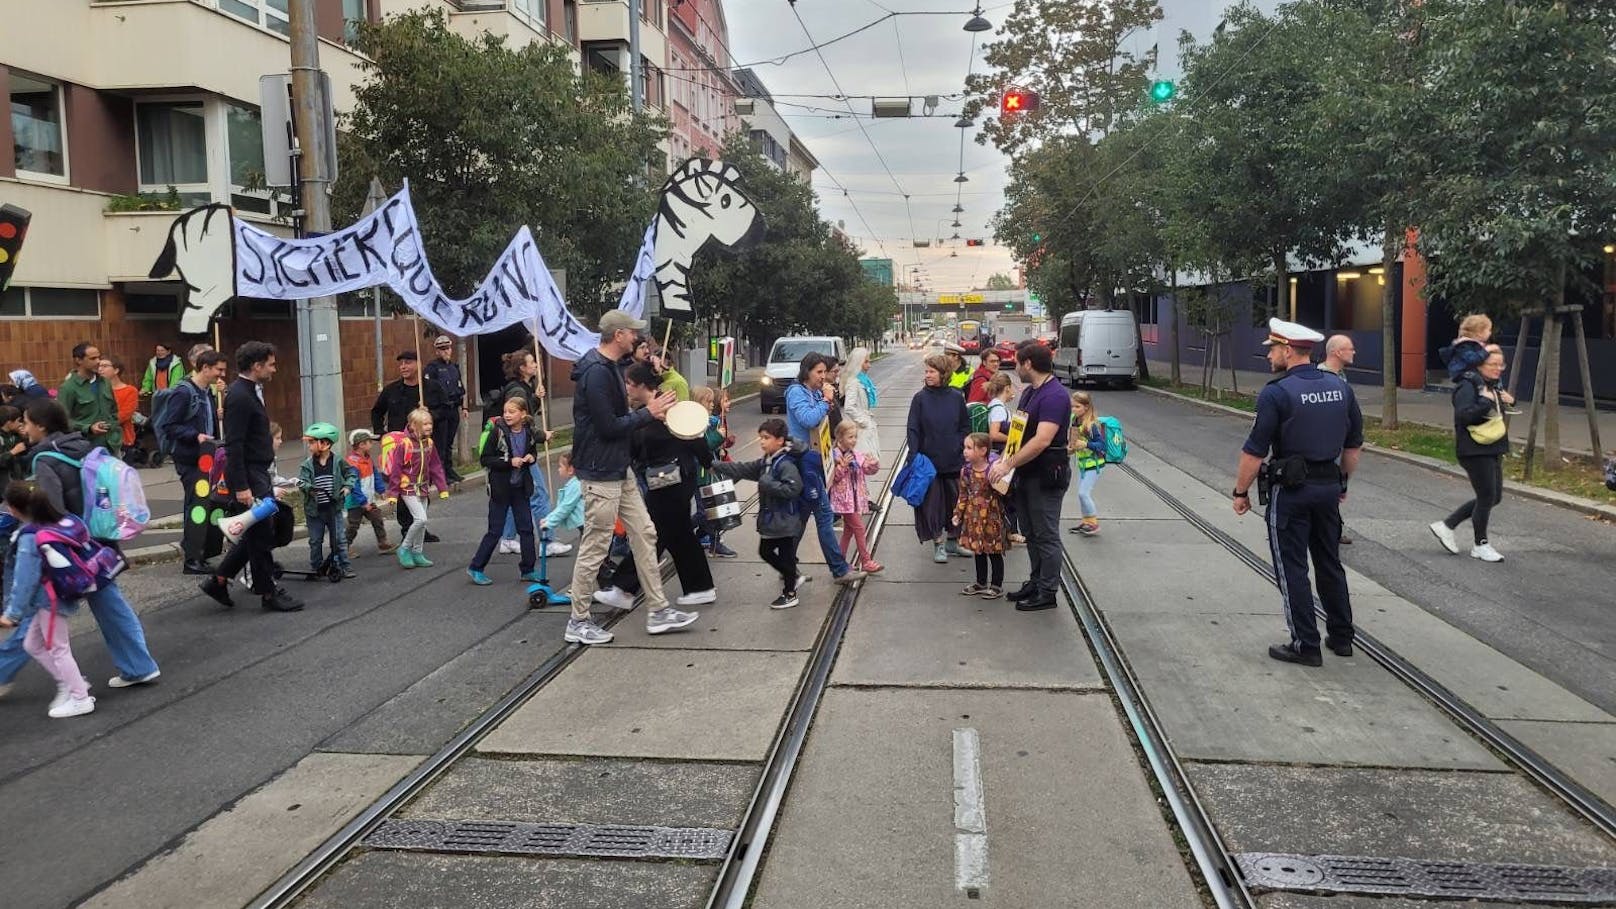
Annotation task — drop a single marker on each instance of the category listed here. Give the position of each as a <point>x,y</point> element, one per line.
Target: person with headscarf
<point>861,397</point>
<point>28,388</point>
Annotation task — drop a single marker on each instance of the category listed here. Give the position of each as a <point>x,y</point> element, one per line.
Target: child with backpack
<point>48,536</point>
<point>326,482</point>
<point>12,446</point>
<point>1095,441</point>
<point>850,492</point>
<point>1000,390</point>
<point>780,514</point>
<point>979,515</point>
<point>364,499</point>
<point>507,451</point>
<point>414,472</point>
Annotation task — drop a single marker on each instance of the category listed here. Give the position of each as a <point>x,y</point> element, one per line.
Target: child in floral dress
<point>979,515</point>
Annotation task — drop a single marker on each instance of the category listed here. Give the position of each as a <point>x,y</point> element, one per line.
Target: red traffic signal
<point>13,228</point>
<point>976,243</point>
<point>1018,101</point>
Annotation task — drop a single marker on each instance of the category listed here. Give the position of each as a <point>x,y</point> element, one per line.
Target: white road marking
<point>970,813</point>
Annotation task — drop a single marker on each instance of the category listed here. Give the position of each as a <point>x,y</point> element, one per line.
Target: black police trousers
<point>1303,521</point>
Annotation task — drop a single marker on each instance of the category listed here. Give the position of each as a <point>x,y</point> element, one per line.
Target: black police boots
<point>1339,648</point>
<point>1290,653</point>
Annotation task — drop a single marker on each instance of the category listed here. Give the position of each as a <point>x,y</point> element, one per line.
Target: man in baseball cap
<point>616,320</point>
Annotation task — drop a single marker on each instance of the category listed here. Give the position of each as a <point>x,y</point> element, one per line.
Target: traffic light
<point>976,243</point>
<point>1018,101</point>
<point>1037,238</point>
<point>13,228</point>
<point>1162,91</point>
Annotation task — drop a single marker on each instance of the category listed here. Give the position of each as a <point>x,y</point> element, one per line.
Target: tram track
<point>1522,757</point>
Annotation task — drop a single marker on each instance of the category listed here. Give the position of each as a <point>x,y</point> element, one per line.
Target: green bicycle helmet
<point>323,431</point>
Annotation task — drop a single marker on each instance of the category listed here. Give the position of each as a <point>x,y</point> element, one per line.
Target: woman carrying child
<point>979,515</point>
<point>1088,448</point>
<point>419,472</point>
<point>850,492</point>
<point>506,452</point>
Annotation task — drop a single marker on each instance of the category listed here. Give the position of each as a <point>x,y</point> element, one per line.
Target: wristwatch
<point>1241,495</point>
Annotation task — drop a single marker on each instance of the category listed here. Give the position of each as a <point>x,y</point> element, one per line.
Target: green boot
<point>420,559</point>
<point>406,558</point>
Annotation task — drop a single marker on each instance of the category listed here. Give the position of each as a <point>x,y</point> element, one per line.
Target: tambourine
<point>688,420</point>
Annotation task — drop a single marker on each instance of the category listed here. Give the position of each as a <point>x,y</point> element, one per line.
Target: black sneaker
<point>1339,648</point>
<point>281,601</point>
<point>1290,653</point>
<point>219,589</point>
<point>198,567</point>
<point>1037,602</point>
<point>432,537</point>
<point>785,600</point>
<point>1021,593</point>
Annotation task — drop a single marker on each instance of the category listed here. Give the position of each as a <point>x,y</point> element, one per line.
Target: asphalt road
<point>1547,605</point>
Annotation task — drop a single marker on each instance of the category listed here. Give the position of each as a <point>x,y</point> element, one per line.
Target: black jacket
<point>653,445</point>
<point>495,456</point>
<point>246,435</point>
<point>59,481</point>
<point>602,424</point>
<point>447,376</point>
<point>395,401</point>
<point>201,415</point>
<point>938,425</point>
<point>1472,408</point>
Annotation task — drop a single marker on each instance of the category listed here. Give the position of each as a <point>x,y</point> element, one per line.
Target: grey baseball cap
<point>618,320</point>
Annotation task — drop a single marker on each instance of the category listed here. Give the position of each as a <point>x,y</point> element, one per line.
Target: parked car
<point>785,357</point>
<point>1007,351</point>
<point>1098,346</point>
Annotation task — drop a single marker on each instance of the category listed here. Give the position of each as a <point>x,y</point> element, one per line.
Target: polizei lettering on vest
<point>1321,397</point>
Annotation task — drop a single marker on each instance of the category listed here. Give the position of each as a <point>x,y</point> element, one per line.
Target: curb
<point>1547,496</point>
<point>170,552</point>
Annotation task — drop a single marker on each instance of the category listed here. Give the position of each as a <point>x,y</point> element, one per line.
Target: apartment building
<point>762,121</point>
<point>701,89</point>
<point>113,98</point>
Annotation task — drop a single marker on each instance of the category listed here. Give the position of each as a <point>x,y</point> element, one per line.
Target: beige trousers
<point>605,501</point>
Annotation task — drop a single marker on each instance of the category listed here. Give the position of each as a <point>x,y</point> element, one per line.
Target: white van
<point>1098,346</point>
<point>785,358</point>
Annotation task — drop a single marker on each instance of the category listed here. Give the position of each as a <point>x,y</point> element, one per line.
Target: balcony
<point>607,20</point>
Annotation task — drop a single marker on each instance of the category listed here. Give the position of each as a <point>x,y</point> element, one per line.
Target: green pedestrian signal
<point>1162,91</point>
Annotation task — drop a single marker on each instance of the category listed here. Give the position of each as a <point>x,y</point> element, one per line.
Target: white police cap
<point>1291,334</point>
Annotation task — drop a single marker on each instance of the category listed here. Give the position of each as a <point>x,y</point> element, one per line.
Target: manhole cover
<point>1372,874</point>
<point>511,838</point>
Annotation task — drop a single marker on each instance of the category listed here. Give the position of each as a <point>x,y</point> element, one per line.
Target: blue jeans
<point>539,504</point>
<point>120,628</point>
<point>324,522</point>
<point>818,502</point>
<point>1085,492</point>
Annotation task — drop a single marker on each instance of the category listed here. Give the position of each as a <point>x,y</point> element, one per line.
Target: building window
<point>244,140</point>
<point>651,84</point>
<point>569,20</point>
<point>50,303</point>
<point>353,14</point>
<point>271,14</point>
<point>151,306</point>
<point>171,141</point>
<point>39,143</point>
<point>651,11</point>
<point>534,12</point>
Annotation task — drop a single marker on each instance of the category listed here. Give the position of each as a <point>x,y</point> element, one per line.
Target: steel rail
<point>330,853</point>
<point>1218,870</point>
<point>1597,811</point>
<point>739,871</point>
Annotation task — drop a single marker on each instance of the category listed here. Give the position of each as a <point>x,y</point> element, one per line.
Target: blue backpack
<point>913,481</point>
<point>1116,445</point>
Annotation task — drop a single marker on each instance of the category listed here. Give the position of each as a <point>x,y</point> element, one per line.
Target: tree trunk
<point>1389,329</point>
<point>1139,338</point>
<point>1234,376</point>
<point>1172,334</point>
<point>1281,285</point>
<point>1206,362</point>
<point>1551,384</point>
<point>1594,442</point>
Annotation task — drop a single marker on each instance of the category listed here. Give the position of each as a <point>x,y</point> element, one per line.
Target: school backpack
<point>394,446</point>
<point>75,563</point>
<point>979,416</point>
<point>169,406</point>
<point>114,500</point>
<point>1116,445</point>
<point>913,481</point>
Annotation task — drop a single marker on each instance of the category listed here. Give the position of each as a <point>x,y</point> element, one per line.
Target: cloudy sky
<point>914,55</point>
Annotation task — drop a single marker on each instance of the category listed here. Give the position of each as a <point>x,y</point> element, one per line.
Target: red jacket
<point>976,391</point>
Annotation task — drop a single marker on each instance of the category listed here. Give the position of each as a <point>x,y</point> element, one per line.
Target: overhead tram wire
<point>878,156</point>
<point>814,48</point>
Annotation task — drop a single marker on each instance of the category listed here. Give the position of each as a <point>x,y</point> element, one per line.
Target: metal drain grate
<point>588,840</point>
<point>1415,877</point>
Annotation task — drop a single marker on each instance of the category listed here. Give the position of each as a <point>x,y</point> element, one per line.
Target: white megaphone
<point>236,525</point>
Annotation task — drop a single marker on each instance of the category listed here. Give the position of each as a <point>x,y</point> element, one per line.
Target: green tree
<point>1000,281</point>
<point>491,138</point>
<point>1523,198</point>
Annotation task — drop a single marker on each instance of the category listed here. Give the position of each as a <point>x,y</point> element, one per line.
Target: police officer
<point>1309,422</point>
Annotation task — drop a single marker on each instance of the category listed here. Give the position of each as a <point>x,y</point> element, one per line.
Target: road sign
<point>275,120</point>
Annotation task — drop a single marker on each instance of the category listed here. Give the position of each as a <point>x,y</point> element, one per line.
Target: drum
<point>687,420</point>
<point>720,505</point>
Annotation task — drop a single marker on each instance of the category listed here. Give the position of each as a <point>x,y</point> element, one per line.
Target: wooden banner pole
<point>420,368</point>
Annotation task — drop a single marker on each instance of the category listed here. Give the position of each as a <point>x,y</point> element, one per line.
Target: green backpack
<point>979,416</point>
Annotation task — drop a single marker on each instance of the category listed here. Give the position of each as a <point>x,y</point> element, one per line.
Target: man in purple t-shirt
<point>1043,473</point>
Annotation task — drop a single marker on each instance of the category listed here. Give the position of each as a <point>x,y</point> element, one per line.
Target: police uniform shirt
<point>1307,413</point>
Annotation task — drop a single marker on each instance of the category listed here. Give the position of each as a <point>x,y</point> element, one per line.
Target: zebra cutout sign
<point>219,257</point>
<point>701,203</point>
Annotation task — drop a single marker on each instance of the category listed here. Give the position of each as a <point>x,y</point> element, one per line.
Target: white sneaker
<point>615,598</point>
<point>73,707</point>
<point>802,579</point>
<point>510,547</point>
<point>119,681</point>
<point>699,598</point>
<point>5,688</point>
<point>668,619</point>
<point>1486,553</point>
<point>580,631</point>
<point>557,548</point>
<point>61,697</point>
<point>1444,534</point>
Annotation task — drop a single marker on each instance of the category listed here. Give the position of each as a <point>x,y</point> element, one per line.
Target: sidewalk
<point>1433,408</point>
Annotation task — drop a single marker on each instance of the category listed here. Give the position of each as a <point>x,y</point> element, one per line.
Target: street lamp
<point>977,23</point>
